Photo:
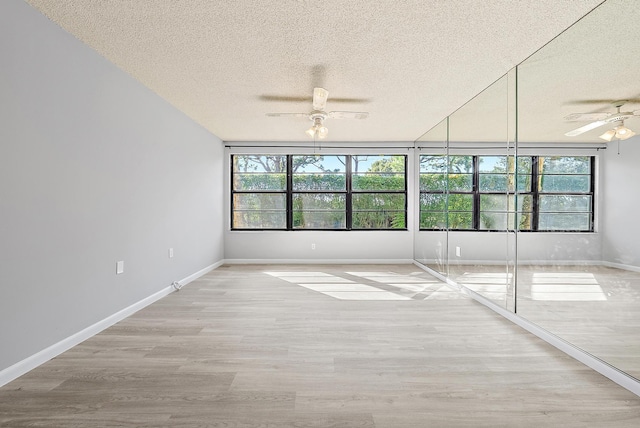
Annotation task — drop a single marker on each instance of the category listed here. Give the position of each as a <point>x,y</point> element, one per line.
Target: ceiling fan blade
<point>587,117</point>
<point>348,115</point>
<point>283,98</point>
<point>320,96</point>
<point>603,101</point>
<point>350,100</point>
<point>305,115</point>
<point>585,128</point>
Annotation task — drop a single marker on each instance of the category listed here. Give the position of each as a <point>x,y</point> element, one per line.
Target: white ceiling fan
<point>318,115</point>
<point>600,119</point>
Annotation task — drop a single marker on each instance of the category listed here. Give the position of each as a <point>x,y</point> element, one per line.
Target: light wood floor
<point>595,308</point>
<point>245,348</point>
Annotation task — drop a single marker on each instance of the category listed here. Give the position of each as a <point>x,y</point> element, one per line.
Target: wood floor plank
<point>250,346</point>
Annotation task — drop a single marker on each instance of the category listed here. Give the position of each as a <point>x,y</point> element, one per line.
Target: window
<point>497,192</point>
<point>259,192</point>
<point>319,192</point>
<point>336,192</point>
<point>378,192</point>
<point>439,208</point>
<point>565,189</point>
<point>532,193</point>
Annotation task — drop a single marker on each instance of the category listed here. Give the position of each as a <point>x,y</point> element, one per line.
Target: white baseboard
<point>621,378</point>
<point>621,266</point>
<point>21,367</point>
<point>318,261</point>
<point>458,261</point>
<point>427,262</point>
<point>559,262</point>
<point>201,272</point>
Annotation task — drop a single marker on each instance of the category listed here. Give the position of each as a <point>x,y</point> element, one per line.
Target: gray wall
<point>330,246</point>
<point>94,168</point>
<point>619,203</point>
<point>496,247</point>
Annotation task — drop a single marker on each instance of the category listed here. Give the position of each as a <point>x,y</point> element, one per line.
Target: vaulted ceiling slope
<point>227,63</point>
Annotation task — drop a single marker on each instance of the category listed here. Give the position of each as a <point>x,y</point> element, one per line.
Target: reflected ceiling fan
<point>318,115</point>
<point>600,119</point>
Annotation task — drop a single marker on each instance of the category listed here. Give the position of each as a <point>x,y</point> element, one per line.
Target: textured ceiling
<point>227,63</point>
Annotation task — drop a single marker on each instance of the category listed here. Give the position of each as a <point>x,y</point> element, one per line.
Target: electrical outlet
<point>458,251</point>
<point>119,267</point>
<point>170,253</point>
<point>313,246</point>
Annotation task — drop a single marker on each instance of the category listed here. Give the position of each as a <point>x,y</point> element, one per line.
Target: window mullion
<point>231,188</point>
<point>349,192</point>
<point>476,193</point>
<point>535,195</point>
<point>593,193</point>
<point>289,198</point>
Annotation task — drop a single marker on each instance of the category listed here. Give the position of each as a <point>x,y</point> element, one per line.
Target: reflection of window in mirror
<point>545,193</point>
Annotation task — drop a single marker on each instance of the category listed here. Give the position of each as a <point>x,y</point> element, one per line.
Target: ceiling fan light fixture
<point>318,130</point>
<point>311,131</point>
<point>620,132</point>
<point>608,136</point>
<point>623,132</point>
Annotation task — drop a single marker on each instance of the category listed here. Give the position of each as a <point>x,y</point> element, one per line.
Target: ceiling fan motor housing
<point>619,117</point>
<point>316,115</point>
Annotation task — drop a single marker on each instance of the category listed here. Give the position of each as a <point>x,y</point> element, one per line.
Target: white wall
<point>558,248</point>
<point>497,247</point>
<point>94,168</point>
<point>620,204</point>
<point>330,246</point>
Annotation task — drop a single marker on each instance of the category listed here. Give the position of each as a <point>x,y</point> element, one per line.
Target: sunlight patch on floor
<point>393,286</point>
<point>569,286</point>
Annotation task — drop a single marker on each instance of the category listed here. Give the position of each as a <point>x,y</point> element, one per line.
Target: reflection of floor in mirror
<point>596,308</point>
<point>271,346</point>
<point>493,285</point>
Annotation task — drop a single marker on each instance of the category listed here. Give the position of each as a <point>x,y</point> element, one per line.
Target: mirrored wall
<point>528,190</point>
<point>467,195</point>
